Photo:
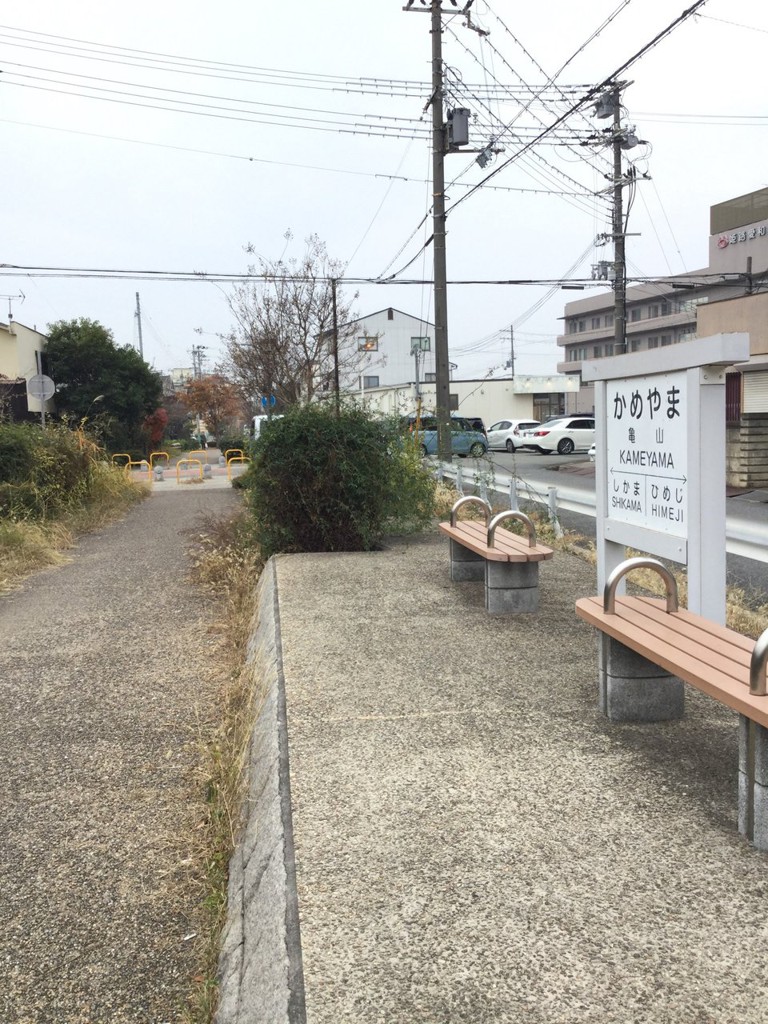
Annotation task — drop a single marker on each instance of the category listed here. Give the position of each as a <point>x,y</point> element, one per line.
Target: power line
<point>588,97</point>
<point>209,277</point>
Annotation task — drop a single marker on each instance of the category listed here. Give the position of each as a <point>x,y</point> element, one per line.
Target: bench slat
<point>709,657</point>
<point>508,546</point>
<point>684,631</point>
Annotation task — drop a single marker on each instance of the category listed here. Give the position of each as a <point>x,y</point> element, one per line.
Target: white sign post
<point>660,460</point>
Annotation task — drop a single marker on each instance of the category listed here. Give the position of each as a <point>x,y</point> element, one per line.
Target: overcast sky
<point>115,183</point>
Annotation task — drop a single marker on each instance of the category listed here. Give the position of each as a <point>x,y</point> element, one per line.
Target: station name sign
<point>647,452</point>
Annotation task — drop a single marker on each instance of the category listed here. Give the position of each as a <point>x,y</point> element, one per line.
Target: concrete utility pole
<point>439,149</point>
<point>197,361</point>
<point>442,376</point>
<point>619,242</point>
<point>138,321</point>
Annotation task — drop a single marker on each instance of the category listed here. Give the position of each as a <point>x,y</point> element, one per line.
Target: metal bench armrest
<point>609,593</point>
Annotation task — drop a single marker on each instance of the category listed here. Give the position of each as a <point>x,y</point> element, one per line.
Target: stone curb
<point>260,971</point>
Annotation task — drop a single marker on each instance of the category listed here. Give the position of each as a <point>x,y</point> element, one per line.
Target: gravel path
<point>104,670</point>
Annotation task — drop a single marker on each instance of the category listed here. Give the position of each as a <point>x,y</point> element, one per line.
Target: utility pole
<point>197,361</point>
<point>512,350</point>
<point>619,241</point>
<point>446,138</point>
<point>442,377</point>
<point>619,137</point>
<point>138,321</point>
<point>439,148</point>
<point>335,316</point>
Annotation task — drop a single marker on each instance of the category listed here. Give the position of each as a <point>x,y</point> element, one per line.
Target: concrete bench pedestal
<point>753,782</point>
<point>511,587</point>
<point>634,689</point>
<point>466,565</point>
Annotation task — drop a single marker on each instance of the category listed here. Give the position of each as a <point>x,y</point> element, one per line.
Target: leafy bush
<point>227,441</point>
<point>322,482</point>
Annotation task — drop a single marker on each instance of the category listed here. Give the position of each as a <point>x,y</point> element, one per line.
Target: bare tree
<point>282,343</point>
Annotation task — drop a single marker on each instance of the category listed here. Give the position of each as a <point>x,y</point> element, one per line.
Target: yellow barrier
<point>154,455</point>
<point>121,455</point>
<point>188,462</point>
<point>199,451</point>
<point>234,458</point>
<point>233,452</point>
<point>143,463</point>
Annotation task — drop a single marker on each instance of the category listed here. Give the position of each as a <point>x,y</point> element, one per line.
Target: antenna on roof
<point>21,296</point>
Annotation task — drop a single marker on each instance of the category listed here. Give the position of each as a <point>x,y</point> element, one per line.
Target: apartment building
<point>729,295</point>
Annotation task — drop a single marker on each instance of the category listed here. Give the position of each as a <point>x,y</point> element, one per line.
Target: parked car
<point>506,433</point>
<point>566,435</point>
<point>465,439</point>
<point>477,424</point>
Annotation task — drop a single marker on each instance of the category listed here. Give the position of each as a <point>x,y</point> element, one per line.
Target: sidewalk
<point>104,675</point>
<point>474,843</point>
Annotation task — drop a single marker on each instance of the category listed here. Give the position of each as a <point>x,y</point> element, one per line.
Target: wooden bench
<point>649,647</point>
<point>508,564</point>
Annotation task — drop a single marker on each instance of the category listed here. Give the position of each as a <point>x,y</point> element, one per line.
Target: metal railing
<point>743,537</point>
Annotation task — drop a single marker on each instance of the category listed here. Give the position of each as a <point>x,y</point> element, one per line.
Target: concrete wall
<point>747,452</point>
<point>749,314</point>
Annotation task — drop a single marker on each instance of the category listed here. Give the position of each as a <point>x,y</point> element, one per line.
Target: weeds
<point>226,563</point>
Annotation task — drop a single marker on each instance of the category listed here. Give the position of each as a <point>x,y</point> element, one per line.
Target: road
<point>746,511</point>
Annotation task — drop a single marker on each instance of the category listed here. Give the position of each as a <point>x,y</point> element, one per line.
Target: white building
<point>390,345</point>
<point>22,355</point>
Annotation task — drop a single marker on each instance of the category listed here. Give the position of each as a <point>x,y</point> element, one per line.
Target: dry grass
<point>227,564</point>
<point>28,545</point>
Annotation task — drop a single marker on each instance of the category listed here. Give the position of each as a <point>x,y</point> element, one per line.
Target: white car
<point>506,433</point>
<point>564,436</point>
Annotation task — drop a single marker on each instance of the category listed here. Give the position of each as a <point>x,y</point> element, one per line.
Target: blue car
<point>465,440</point>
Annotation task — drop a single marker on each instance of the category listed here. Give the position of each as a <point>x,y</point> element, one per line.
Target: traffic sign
<point>41,387</point>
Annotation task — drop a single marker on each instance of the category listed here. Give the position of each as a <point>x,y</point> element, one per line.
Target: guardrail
<point>743,537</point>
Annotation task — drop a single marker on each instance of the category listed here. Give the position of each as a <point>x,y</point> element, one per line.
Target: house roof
<point>18,323</point>
<point>410,316</point>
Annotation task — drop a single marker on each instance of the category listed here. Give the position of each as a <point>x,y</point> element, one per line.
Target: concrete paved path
<point>474,842</point>
<point>102,679</point>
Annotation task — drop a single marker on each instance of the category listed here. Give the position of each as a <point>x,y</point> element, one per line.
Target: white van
<point>258,422</point>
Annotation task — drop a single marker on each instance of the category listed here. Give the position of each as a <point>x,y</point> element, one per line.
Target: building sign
<point>734,237</point>
<point>646,451</point>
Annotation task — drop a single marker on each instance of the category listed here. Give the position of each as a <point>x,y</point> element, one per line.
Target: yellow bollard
<point>143,462</point>
<point>234,458</point>
<point>233,452</point>
<point>188,462</point>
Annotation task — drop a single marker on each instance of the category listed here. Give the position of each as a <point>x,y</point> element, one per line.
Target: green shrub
<point>322,482</point>
<point>43,471</point>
